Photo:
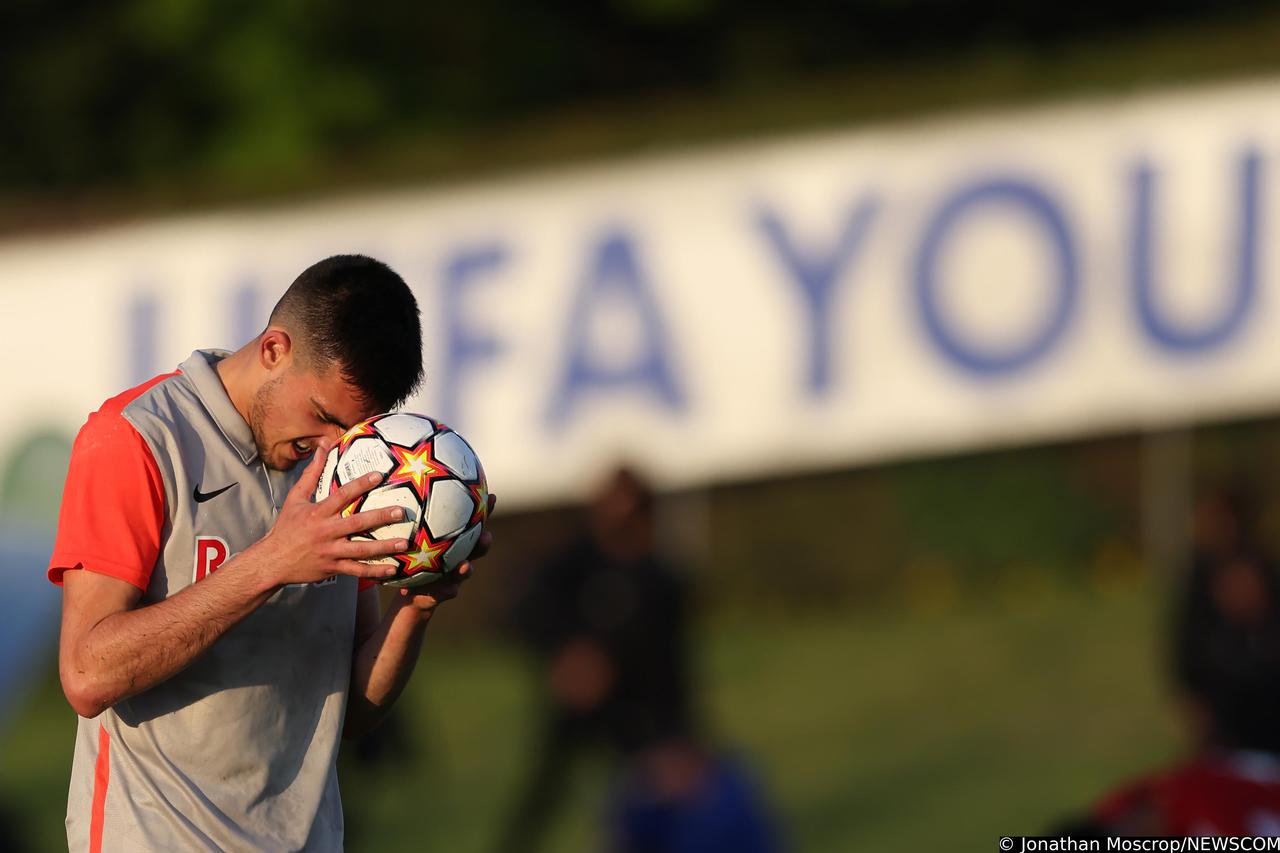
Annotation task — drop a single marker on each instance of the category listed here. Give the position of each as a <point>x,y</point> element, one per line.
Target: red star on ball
<point>425,556</point>
<point>416,466</point>
<point>359,430</point>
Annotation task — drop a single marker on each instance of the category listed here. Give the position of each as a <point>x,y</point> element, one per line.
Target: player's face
<point>294,411</point>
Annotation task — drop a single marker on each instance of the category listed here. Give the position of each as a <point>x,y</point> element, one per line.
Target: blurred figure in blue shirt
<point>679,797</point>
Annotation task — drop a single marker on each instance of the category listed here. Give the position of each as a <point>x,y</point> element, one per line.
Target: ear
<point>275,349</point>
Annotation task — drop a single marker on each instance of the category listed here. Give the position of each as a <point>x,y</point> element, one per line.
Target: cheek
<point>280,430</point>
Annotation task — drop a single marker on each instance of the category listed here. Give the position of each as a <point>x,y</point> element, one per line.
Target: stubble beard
<point>263,404</point>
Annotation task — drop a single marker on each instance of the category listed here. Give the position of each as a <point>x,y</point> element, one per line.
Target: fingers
<point>306,485</point>
<point>369,519</point>
<point>452,581</point>
<point>444,589</point>
<point>344,495</point>
<point>357,569</point>
<point>371,549</point>
<point>482,546</point>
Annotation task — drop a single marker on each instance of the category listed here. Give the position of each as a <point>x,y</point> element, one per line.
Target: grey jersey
<point>238,751</point>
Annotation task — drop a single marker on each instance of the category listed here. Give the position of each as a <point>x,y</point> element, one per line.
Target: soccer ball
<point>432,473</point>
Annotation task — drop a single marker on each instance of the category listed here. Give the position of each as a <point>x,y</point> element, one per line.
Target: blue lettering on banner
<point>614,273</point>
<point>141,320</point>
<point>464,344</point>
<point>616,284</point>
<point>1039,208</point>
<point>246,322</point>
<point>817,273</point>
<point>1185,340</point>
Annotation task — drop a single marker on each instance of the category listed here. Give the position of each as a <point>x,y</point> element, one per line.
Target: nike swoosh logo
<point>201,497</point>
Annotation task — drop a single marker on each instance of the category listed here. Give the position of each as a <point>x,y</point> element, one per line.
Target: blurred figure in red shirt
<point>1226,661</point>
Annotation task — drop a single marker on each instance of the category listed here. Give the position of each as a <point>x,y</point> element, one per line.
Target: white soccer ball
<point>432,473</point>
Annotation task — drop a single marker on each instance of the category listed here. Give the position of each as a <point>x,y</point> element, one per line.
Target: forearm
<point>382,665</point>
<point>131,651</point>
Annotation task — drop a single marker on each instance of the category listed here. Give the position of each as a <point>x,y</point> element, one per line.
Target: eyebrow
<point>325,416</point>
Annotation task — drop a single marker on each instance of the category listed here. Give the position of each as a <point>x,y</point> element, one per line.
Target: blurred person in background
<point>679,796</point>
<point>1226,666</point>
<point>608,621</point>
<point>1224,524</point>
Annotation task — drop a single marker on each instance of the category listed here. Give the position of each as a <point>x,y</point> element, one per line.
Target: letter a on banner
<point>615,279</point>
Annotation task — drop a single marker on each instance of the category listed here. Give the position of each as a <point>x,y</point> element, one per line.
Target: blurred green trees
<point>135,93</point>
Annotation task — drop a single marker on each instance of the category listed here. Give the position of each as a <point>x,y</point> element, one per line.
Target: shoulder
<point>109,423</point>
<point>148,390</point>
<point>149,415</point>
<point>110,418</point>
<point>110,436</point>
<point>162,400</point>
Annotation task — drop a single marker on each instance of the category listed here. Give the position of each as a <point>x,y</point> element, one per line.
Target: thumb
<point>305,488</point>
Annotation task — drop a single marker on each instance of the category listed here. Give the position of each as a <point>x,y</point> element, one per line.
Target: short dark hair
<point>357,313</point>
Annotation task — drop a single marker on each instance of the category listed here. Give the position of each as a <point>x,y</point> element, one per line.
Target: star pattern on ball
<point>426,555</point>
<point>360,430</point>
<point>479,494</point>
<point>416,466</point>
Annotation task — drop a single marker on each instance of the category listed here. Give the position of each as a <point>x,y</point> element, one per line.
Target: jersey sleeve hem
<point>61,563</point>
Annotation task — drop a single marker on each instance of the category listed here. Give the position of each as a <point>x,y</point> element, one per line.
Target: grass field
<point>876,732</point>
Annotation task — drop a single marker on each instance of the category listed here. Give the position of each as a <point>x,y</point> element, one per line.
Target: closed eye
<point>326,418</point>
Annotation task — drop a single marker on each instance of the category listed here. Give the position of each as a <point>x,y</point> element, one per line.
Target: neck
<point>235,371</point>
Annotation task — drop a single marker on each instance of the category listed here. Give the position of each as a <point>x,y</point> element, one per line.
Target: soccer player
<point>219,630</point>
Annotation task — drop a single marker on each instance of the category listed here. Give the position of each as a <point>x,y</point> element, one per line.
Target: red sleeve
<point>113,504</point>
<point>366,583</point>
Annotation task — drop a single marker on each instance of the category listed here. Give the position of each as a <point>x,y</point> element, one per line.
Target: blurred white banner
<point>759,309</point>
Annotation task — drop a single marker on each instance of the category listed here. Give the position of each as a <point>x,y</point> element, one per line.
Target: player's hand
<point>427,598</point>
<point>309,540</point>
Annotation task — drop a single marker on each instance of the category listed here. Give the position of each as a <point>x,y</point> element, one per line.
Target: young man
<point>219,630</point>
